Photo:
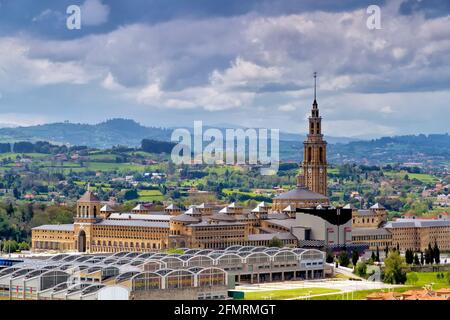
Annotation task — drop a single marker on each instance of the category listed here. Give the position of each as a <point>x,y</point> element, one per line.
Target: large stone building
<point>371,228</point>
<point>100,229</point>
<point>417,234</point>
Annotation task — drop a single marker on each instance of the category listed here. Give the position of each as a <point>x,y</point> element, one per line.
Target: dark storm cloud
<point>245,63</point>
<point>47,17</point>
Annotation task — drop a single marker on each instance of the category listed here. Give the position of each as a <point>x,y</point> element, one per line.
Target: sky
<point>250,63</point>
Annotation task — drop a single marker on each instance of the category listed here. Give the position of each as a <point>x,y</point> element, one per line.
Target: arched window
<point>309,154</point>
<point>321,155</point>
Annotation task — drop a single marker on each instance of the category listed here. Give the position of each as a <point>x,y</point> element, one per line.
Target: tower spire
<point>315,84</point>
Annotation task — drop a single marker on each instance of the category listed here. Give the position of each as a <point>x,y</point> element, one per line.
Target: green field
<point>286,294</point>
<point>150,195</point>
<point>33,155</point>
<point>424,278</point>
<point>357,295</point>
<point>102,157</point>
<point>422,177</point>
<point>250,194</point>
<point>109,166</point>
<point>428,278</point>
<point>333,170</point>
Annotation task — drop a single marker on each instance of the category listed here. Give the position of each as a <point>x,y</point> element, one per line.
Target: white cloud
<point>243,73</point>
<point>94,12</point>
<point>149,94</point>
<point>110,83</point>
<point>399,53</point>
<point>48,14</point>
<point>243,62</point>
<point>386,109</point>
<point>287,107</point>
<point>337,83</point>
<point>10,119</point>
<point>19,70</point>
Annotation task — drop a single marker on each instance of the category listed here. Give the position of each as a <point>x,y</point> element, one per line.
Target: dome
<point>300,193</point>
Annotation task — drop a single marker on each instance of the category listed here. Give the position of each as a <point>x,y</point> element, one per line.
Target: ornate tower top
<point>314,166</point>
<point>315,120</point>
<point>88,206</point>
<point>315,84</point>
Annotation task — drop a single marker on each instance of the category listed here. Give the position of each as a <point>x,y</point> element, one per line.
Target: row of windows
<point>219,228</point>
<point>368,237</point>
<point>147,245</point>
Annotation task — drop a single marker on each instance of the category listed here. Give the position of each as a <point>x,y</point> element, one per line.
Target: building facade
<point>371,227</point>
<point>98,228</point>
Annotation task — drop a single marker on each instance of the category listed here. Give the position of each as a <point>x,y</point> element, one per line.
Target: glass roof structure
<point>151,270</point>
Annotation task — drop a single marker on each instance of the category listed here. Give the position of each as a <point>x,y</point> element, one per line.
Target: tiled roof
<point>140,207</point>
<point>139,216</point>
<point>106,208</point>
<point>172,207</point>
<point>260,209</point>
<point>365,212</point>
<point>205,223</point>
<point>185,218</point>
<point>88,196</point>
<point>377,206</point>
<point>270,236</point>
<point>301,194</point>
<point>286,223</point>
<point>289,208</point>
<point>133,223</point>
<point>55,227</point>
<point>233,205</point>
<point>263,204</point>
<point>223,216</point>
<point>417,223</point>
<point>278,216</point>
<point>193,211</point>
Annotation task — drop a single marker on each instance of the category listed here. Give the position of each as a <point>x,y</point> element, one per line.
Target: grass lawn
<point>108,166</point>
<point>362,294</point>
<point>285,294</point>
<point>427,278</point>
<point>333,170</point>
<point>150,195</point>
<point>33,155</point>
<point>357,295</point>
<point>423,279</point>
<point>423,177</point>
<point>231,191</point>
<point>102,157</point>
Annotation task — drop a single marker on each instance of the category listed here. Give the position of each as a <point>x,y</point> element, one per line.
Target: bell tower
<point>314,166</point>
<point>88,213</point>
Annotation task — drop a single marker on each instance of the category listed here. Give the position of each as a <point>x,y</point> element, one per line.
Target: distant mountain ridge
<point>126,132</point>
<point>102,135</point>
<point>108,133</point>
